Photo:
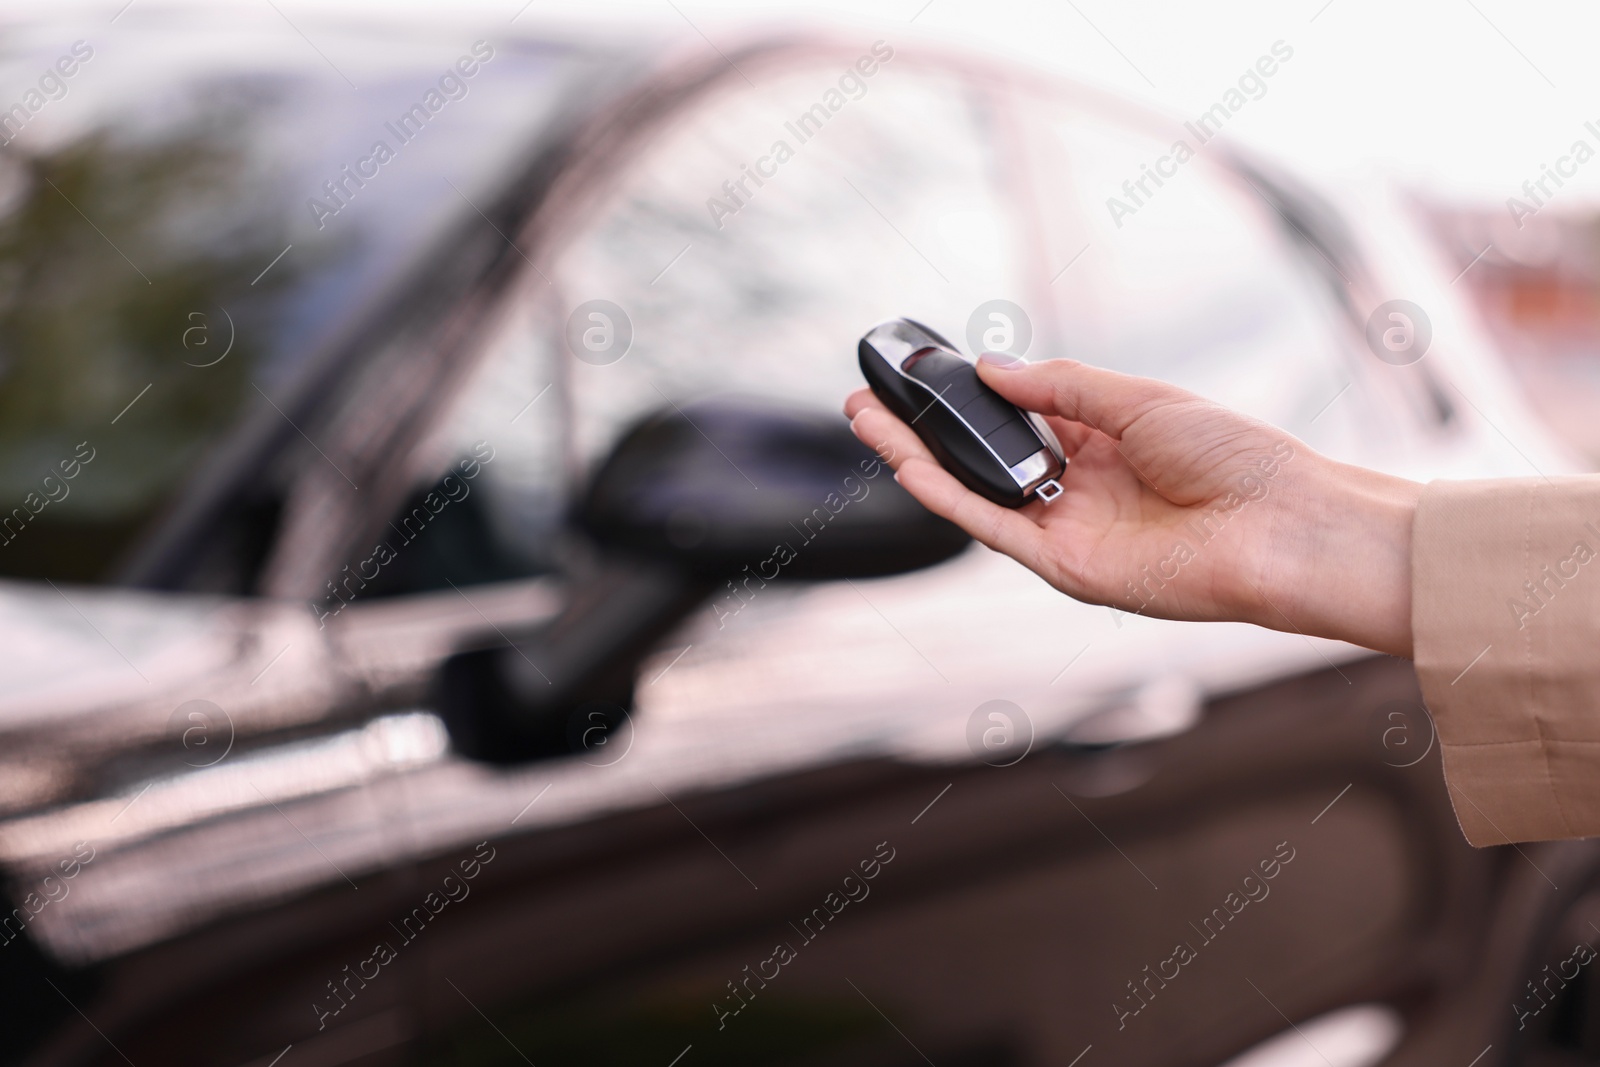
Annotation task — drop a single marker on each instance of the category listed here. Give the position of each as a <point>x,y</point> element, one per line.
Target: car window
<point>881,198</point>
<point>892,208</point>
<point>179,239</point>
<point>1187,277</point>
<point>131,342</point>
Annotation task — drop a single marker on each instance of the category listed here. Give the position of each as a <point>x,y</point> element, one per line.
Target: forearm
<point>1338,561</point>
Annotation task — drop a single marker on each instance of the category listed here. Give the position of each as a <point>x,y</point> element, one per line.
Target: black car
<point>449,622</point>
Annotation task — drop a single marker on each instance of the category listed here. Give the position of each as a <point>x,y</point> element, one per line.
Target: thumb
<point>1104,399</point>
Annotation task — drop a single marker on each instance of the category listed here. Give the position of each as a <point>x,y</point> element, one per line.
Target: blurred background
<point>445,618</point>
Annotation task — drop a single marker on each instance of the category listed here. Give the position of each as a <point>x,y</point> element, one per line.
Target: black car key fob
<point>992,446</point>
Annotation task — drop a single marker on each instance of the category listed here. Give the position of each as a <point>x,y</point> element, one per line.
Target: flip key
<point>992,446</point>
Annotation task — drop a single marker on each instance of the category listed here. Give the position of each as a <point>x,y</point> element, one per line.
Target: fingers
<point>989,524</point>
<point>1108,401</point>
<point>1002,529</point>
<point>857,400</point>
<point>885,434</point>
<point>1072,435</point>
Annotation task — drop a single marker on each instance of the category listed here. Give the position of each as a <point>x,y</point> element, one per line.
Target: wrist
<point>1342,565</point>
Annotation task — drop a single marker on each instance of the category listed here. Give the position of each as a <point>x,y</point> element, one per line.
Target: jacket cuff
<point>1505,618</point>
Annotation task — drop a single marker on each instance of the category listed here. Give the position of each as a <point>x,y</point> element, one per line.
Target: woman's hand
<point>1176,507</point>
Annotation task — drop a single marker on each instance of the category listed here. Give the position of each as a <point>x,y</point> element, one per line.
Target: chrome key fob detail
<point>992,446</point>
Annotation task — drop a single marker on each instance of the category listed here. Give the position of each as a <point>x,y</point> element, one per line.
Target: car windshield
<point>187,219</point>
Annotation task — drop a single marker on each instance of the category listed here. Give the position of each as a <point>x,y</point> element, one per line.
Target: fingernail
<point>1002,360</point>
<point>897,477</point>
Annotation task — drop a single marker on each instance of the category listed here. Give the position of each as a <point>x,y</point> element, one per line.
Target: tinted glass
<point>697,277</point>
<point>178,239</point>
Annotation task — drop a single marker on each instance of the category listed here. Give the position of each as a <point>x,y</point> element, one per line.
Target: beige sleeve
<point>1506,624</point>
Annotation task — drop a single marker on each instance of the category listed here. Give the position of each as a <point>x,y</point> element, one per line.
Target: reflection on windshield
<point>126,337</point>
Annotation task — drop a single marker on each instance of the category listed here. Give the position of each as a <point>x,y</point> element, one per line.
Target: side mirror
<point>688,499</point>
<point>726,485</point>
